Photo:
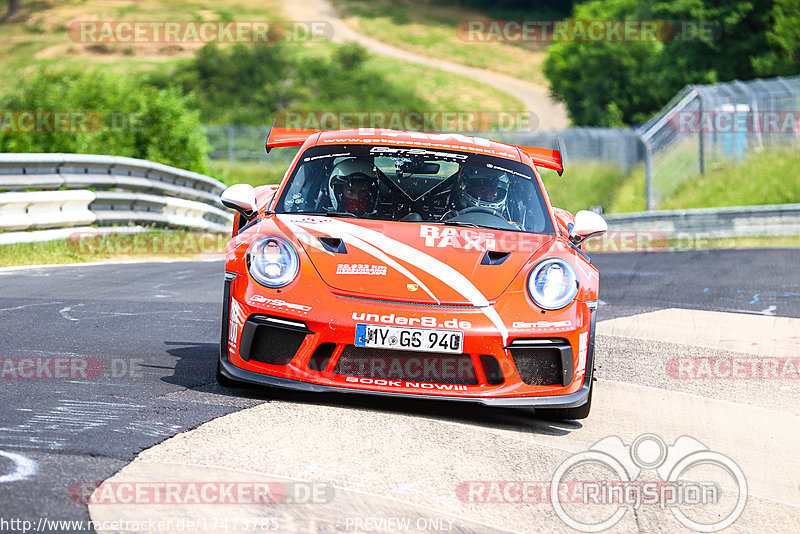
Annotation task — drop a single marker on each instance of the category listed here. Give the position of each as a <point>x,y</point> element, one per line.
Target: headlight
<point>272,261</point>
<point>553,284</point>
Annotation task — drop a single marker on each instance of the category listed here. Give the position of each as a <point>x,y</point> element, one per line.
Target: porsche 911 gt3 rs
<point>411,264</point>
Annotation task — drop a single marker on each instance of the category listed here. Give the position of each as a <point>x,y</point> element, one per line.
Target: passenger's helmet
<point>482,187</point>
<point>354,186</point>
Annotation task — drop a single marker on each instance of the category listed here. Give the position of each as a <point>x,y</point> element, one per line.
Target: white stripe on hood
<point>359,236</point>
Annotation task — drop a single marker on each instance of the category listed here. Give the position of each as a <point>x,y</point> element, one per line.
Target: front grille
<point>491,368</point>
<point>538,367</point>
<point>436,368</point>
<point>270,340</point>
<point>323,353</point>
<point>548,364</point>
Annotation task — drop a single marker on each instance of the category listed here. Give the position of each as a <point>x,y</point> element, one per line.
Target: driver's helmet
<point>354,186</point>
<point>482,187</point>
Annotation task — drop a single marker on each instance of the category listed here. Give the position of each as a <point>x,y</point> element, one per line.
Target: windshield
<point>416,185</point>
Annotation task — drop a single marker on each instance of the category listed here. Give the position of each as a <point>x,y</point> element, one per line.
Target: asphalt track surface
<point>150,332</point>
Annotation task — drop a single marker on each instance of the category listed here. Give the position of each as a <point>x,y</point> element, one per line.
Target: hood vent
<point>333,244</point>
<point>494,257</point>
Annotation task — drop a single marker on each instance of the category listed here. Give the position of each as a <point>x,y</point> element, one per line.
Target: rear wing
<point>283,137</point>
<point>546,157</point>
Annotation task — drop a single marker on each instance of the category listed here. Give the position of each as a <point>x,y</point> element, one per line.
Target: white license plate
<point>415,339</point>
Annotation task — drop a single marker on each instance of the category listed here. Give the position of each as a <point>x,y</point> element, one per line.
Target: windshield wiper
<point>326,213</point>
<point>460,223</point>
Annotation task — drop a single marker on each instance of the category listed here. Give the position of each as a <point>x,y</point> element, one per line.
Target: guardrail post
<point>648,172</point>
<point>229,131</point>
<point>701,141</point>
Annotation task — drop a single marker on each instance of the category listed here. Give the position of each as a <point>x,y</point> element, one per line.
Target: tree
<point>612,83</point>
<point>13,7</point>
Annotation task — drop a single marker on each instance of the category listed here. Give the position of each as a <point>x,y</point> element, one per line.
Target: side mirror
<point>242,198</point>
<point>587,224</point>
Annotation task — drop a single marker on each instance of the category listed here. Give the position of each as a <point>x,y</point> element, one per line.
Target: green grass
<point>595,245</point>
<point>441,91</point>
<point>584,185</point>
<point>254,173</point>
<point>429,27</point>
<point>630,195</point>
<point>37,37</point>
<point>193,246</point>
<point>44,253</point>
<point>768,178</point>
<point>771,177</point>
<point>155,244</point>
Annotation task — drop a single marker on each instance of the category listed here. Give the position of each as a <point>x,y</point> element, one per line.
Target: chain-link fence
<point>702,125</point>
<point>706,124</point>
<point>618,146</point>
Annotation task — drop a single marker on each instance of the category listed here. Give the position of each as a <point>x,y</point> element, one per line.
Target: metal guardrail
<point>46,191</point>
<point>711,223</point>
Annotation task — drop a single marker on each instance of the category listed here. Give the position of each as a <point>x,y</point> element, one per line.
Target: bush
<point>248,85</point>
<point>122,117</point>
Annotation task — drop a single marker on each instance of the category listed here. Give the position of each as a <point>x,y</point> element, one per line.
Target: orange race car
<point>411,264</point>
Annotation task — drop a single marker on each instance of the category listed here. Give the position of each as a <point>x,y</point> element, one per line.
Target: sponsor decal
<point>405,384</point>
<point>412,287</point>
<point>451,141</point>
<point>361,268</point>
<point>507,171</point>
<point>583,350</point>
<point>260,300</point>
<point>326,156</point>
<point>542,324</point>
<point>467,239</point>
<point>416,152</point>
<point>305,219</point>
<point>237,317</point>
<point>429,322</point>
<point>441,137</point>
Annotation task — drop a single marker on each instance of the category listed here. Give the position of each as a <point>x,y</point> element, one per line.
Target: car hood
<point>413,262</point>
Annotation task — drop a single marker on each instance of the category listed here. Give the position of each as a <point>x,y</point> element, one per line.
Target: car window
<point>416,185</point>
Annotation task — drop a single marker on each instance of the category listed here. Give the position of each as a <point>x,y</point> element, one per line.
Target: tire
<point>563,414</point>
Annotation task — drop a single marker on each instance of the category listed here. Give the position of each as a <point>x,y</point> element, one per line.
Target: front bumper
<point>572,400</point>
<point>294,373</point>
